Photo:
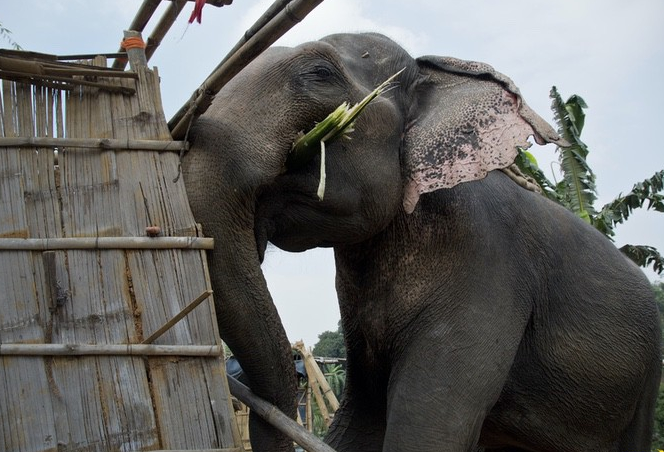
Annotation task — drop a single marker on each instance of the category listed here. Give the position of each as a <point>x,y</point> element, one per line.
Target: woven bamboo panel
<point>101,296</point>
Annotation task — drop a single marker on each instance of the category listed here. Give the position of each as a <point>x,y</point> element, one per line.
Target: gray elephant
<point>476,313</point>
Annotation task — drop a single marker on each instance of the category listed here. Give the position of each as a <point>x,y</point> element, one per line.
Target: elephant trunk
<point>248,320</point>
<point>251,327</point>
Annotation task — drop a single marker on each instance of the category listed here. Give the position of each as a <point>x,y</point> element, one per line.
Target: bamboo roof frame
<point>143,16</point>
<point>278,19</point>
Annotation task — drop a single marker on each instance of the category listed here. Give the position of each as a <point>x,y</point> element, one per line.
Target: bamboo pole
<point>293,13</point>
<point>136,55</point>
<point>90,56</point>
<point>309,410</point>
<point>166,326</point>
<point>36,79</point>
<point>48,67</point>
<point>314,370</point>
<point>141,19</point>
<point>233,449</point>
<point>320,400</point>
<point>273,416</point>
<point>109,349</point>
<point>165,23</point>
<point>262,21</point>
<point>145,13</point>
<point>97,243</point>
<point>101,143</point>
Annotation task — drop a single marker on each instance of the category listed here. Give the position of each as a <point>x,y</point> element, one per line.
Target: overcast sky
<point>610,52</point>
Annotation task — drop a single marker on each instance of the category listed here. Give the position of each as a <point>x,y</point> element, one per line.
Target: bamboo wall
<point>68,379</point>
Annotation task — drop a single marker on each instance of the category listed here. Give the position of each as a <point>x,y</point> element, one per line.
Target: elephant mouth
<point>290,216</point>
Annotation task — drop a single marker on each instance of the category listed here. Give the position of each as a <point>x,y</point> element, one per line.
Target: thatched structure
<point>98,251</point>
<point>108,335</point>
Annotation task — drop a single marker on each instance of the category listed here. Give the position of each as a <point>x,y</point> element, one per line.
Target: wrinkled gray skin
<point>476,314</point>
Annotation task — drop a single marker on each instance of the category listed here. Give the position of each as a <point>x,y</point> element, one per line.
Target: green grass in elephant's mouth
<point>338,124</point>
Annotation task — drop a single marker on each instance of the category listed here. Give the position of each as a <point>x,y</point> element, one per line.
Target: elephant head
<point>442,122</point>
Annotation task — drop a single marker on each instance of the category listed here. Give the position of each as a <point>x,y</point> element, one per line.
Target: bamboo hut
<point>108,337</point>
<point>108,334</point>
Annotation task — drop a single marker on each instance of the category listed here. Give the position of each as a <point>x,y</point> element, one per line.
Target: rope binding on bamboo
<point>134,42</point>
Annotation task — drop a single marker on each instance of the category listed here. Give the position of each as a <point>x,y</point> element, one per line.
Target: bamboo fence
<point>101,345</point>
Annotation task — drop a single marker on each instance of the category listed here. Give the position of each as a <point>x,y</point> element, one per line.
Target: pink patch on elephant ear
<point>470,126</point>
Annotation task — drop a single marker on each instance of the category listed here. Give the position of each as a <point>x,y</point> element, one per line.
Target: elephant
<point>476,313</point>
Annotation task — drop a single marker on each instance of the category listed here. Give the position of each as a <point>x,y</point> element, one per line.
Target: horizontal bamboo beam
<point>48,67</point>
<point>90,56</point>
<point>66,82</point>
<point>232,449</point>
<point>109,349</point>
<point>101,143</point>
<point>275,417</point>
<point>100,243</point>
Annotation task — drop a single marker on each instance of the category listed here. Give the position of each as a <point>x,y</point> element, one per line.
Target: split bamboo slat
<point>75,376</point>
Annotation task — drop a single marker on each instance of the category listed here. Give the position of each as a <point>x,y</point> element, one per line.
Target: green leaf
<point>644,256</point>
<point>336,124</point>
<point>528,166</point>
<point>619,210</point>
<point>578,190</point>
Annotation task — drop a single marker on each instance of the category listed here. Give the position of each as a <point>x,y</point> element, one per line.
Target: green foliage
<point>339,123</point>
<point>620,208</point>
<point>335,374</point>
<point>658,288</point>
<point>577,190</point>
<point>528,165</point>
<point>330,345</point>
<point>5,33</point>
<point>644,256</point>
<point>658,432</point>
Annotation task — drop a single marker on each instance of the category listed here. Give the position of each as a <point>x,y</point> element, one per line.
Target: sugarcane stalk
<point>339,123</point>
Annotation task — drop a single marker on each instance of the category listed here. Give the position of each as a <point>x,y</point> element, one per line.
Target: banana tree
<point>577,190</point>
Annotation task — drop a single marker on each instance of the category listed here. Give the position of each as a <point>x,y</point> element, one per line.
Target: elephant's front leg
<point>449,376</point>
<point>359,425</point>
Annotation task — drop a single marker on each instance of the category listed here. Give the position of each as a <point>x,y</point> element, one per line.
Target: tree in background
<point>330,344</point>
<point>577,190</point>
<point>658,287</point>
<point>658,433</point>
<point>5,33</point>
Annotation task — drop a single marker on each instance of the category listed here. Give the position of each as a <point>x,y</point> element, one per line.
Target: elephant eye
<point>322,72</point>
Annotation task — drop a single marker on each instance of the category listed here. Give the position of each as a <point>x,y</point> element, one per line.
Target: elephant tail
<point>638,435</point>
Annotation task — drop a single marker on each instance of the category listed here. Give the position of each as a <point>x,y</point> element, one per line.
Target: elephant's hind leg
<point>638,434</point>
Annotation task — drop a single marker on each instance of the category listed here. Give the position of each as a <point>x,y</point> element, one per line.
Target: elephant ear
<point>471,119</point>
